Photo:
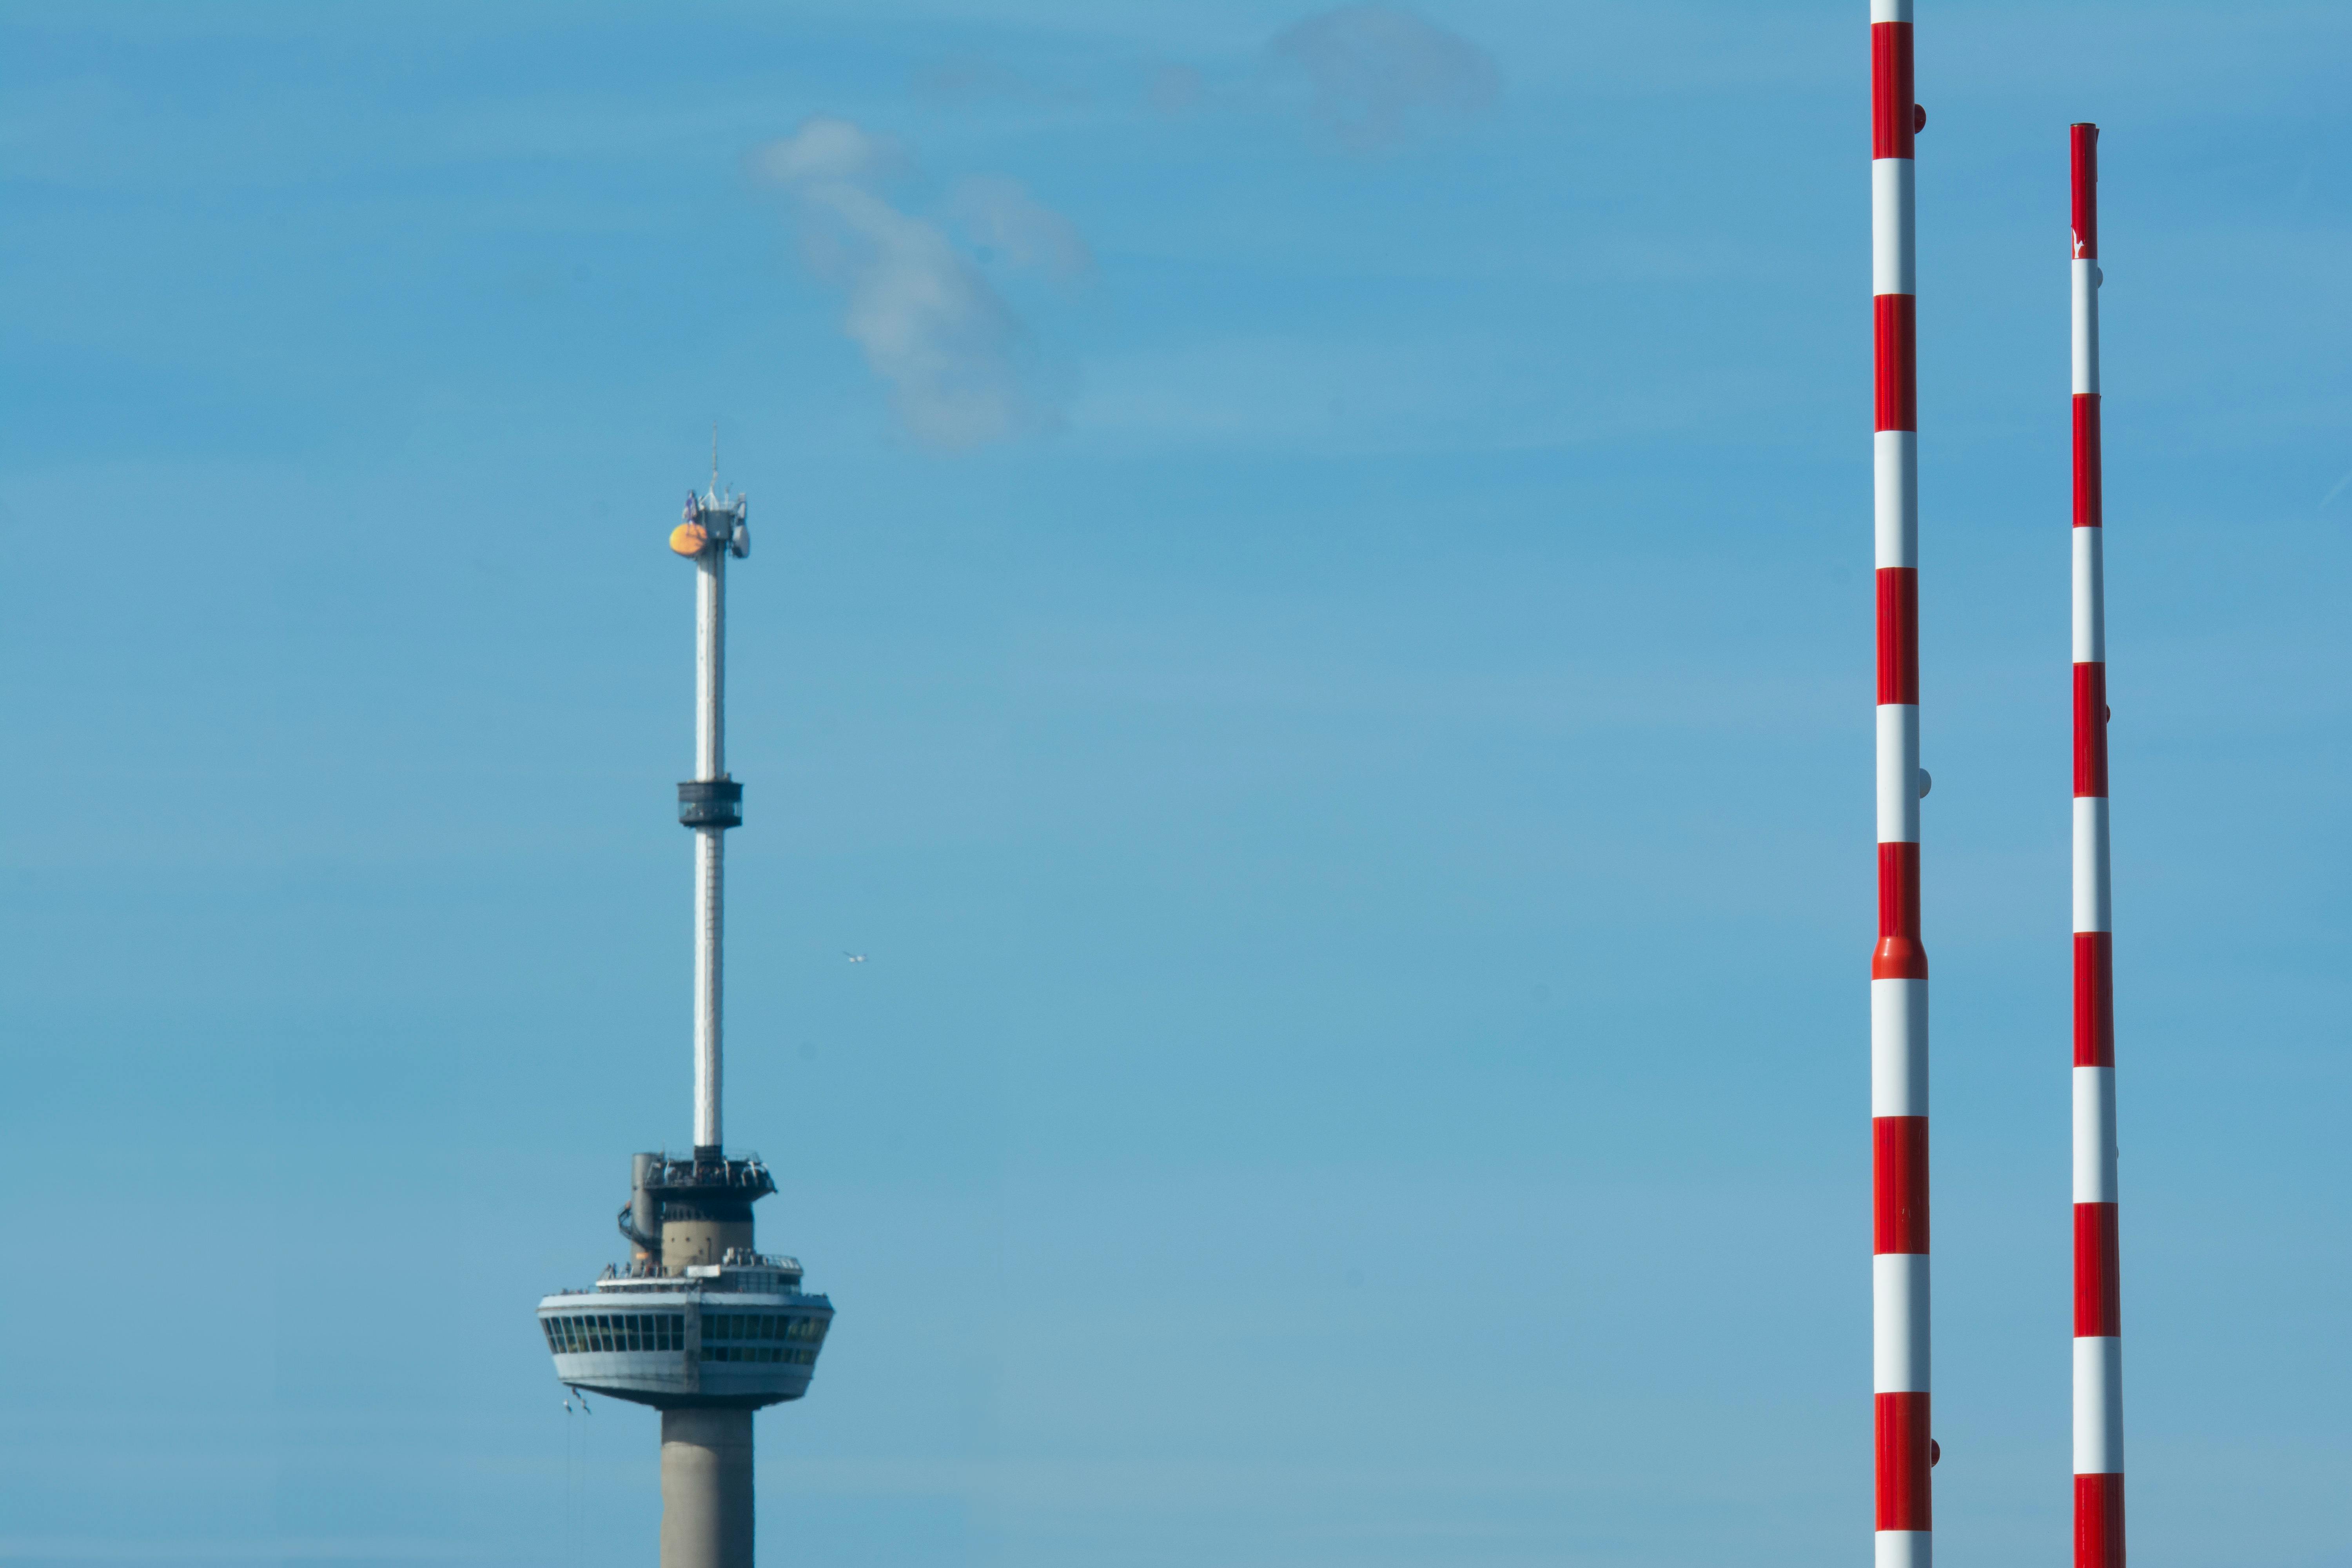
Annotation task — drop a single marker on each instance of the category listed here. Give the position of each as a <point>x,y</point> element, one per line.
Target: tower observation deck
<point>697,1323</point>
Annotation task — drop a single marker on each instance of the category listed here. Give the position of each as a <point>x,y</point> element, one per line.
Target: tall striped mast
<point>1898,967</point>
<point>2098,1325</point>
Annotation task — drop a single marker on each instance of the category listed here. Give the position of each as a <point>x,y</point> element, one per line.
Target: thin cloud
<point>1377,73</point>
<point>824,149</point>
<point>932,327</point>
<point>1000,215</point>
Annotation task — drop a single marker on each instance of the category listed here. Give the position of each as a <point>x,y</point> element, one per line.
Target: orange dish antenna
<point>687,539</point>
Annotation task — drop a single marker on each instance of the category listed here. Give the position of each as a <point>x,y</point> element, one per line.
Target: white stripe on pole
<point>2085,284</point>
<point>2098,1406</point>
<point>1898,1349</point>
<point>2090,595</point>
<point>1898,1048</point>
<point>1894,478</point>
<point>1898,772</point>
<point>1903,1549</point>
<point>1893,267</point>
<point>2093,905</point>
<point>2095,1135</point>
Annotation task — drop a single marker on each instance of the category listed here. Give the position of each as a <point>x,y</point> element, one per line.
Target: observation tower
<point>698,1323</point>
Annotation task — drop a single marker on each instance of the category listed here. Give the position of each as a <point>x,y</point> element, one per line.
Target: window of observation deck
<point>737,1336</point>
<point>581,1334</point>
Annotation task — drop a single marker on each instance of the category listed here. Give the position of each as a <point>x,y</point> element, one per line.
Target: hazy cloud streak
<point>1000,214</point>
<point>931,325</point>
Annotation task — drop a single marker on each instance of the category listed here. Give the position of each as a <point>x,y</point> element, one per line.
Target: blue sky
<point>1311,614</point>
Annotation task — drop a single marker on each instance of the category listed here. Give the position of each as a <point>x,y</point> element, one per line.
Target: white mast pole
<point>710,842</point>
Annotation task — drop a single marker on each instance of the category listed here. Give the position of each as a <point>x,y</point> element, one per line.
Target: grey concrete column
<point>706,1488</point>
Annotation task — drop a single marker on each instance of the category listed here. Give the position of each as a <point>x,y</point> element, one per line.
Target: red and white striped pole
<point>1898,967</point>
<point>2098,1327</point>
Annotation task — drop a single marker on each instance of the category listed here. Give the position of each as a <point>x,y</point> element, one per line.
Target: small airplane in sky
<point>853,957</point>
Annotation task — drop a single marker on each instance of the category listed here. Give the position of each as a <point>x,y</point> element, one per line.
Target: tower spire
<point>711,802</point>
<point>2098,1326</point>
<point>1898,969</point>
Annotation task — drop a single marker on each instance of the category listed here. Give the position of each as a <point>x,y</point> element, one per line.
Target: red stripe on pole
<point>2099,1521</point>
<point>1898,634</point>
<point>1895,333</point>
<point>1903,1489</point>
<point>2089,510</point>
<point>2090,729</point>
<point>2084,141</point>
<point>2095,999</point>
<point>2098,1309</point>
<point>1899,955</point>
<point>1891,93</point>
<point>1898,1183</point>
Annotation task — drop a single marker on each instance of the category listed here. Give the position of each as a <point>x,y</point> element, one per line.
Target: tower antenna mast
<point>711,802</point>
<point>1898,967</point>
<point>2098,1323</point>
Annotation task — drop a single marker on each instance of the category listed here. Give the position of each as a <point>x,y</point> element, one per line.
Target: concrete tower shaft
<point>706,1482</point>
